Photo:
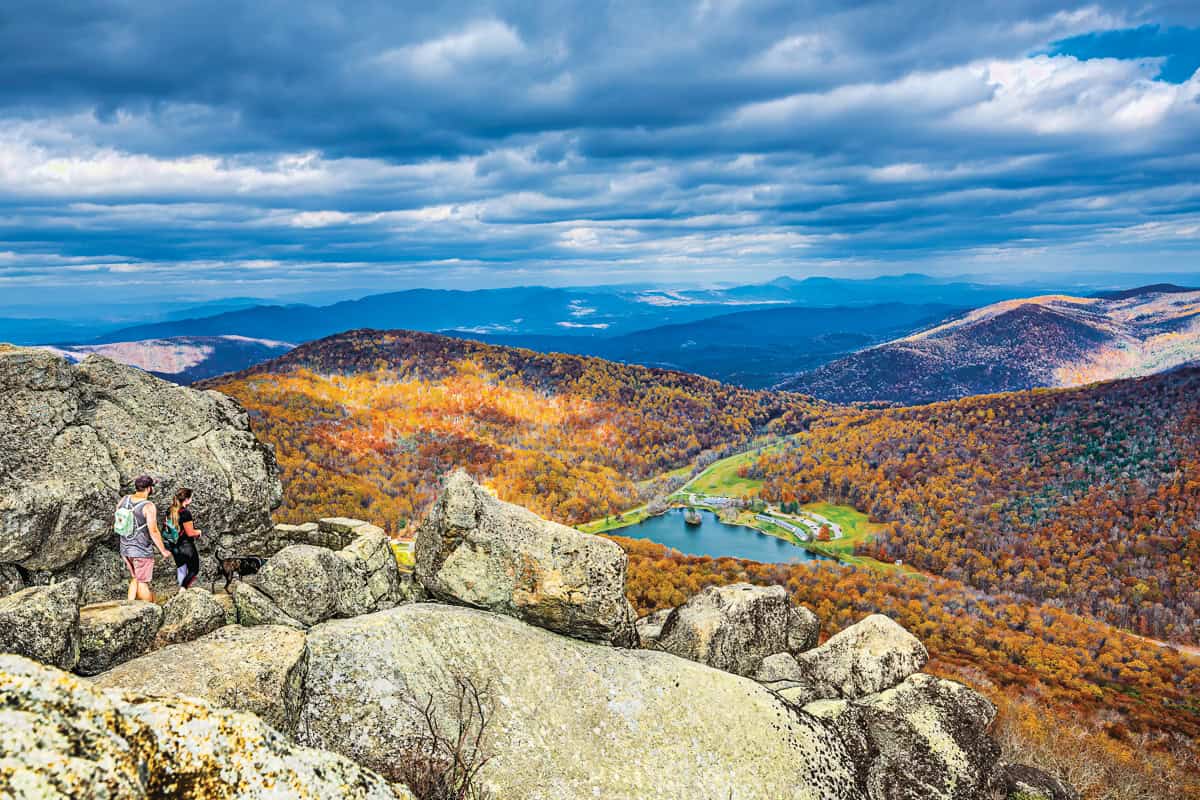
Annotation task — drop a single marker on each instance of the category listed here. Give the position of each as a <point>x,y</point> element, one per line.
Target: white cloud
<point>480,43</point>
<point>1098,97</point>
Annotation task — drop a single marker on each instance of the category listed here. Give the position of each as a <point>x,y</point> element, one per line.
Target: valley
<point>368,420</point>
<point>1040,533</point>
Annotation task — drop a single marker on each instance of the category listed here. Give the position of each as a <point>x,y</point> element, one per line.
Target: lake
<point>716,539</point>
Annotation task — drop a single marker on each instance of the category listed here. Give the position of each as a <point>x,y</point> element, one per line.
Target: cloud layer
<point>273,148</point>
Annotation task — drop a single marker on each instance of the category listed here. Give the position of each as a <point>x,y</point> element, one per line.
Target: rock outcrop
<point>479,551</point>
<point>777,668</point>
<point>370,577</point>
<point>252,607</point>
<point>329,654</point>
<point>114,632</point>
<point>925,738</point>
<point>73,437</point>
<point>569,719</point>
<point>332,533</point>
<point>260,670</point>
<point>302,581</point>
<point>188,615</point>
<point>649,627</point>
<point>733,628</point>
<point>868,657</point>
<point>65,738</point>
<point>42,623</point>
<point>1020,782</point>
<point>304,584</point>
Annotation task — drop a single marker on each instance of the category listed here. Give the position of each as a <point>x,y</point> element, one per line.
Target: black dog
<point>236,567</point>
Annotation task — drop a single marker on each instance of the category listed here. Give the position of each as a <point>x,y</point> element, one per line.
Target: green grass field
<point>611,523</point>
<point>722,478</point>
<point>856,527</point>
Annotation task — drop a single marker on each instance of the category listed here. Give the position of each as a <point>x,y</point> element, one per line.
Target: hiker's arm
<point>152,524</point>
<point>190,529</point>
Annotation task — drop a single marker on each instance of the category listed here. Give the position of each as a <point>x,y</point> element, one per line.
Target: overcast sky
<point>275,148</point>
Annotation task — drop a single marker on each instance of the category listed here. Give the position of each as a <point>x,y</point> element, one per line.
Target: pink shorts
<point>140,569</point>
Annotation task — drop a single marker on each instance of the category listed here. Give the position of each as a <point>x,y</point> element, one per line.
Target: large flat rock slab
<point>259,669</point>
<point>114,632</point>
<point>570,719</point>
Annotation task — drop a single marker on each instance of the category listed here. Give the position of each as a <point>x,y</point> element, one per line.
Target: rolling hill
<point>1047,341</point>
<point>1087,497</point>
<point>364,423</point>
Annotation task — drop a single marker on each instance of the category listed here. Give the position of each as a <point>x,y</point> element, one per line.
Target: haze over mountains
<point>1047,341</point>
<point>756,349</point>
<point>754,335</point>
<point>899,339</point>
<point>540,310</point>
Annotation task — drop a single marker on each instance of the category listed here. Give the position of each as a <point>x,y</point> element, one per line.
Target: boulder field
<point>329,673</point>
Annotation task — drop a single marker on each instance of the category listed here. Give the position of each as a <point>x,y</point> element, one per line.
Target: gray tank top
<point>139,545</point>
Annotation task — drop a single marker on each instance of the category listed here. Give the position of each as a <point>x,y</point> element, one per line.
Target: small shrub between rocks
<point>445,760</point>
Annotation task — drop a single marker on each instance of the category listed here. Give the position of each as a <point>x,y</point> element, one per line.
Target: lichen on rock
<point>260,670</point>
<point>479,551</point>
<point>42,623</point>
<point>571,719</point>
<point>114,632</point>
<point>65,738</point>
<point>734,627</point>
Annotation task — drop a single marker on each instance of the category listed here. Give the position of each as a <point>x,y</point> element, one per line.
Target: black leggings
<point>186,555</point>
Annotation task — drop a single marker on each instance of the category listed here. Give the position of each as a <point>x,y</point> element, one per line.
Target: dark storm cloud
<point>296,143</point>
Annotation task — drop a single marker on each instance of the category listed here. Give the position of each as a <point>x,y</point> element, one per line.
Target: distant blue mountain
<point>544,311</point>
<point>755,335</point>
<point>756,349</point>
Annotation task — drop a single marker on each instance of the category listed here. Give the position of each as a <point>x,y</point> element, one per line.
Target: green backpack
<point>170,532</point>
<point>124,523</point>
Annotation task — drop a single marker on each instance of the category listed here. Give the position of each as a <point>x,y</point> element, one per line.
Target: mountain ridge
<point>1045,341</point>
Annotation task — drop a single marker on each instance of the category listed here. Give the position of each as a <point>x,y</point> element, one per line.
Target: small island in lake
<point>692,517</point>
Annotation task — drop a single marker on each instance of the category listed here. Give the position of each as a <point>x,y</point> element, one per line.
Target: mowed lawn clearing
<point>857,529</point>
<point>722,477</point>
<point>615,521</point>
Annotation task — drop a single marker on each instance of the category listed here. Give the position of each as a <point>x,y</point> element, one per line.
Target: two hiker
<point>136,523</point>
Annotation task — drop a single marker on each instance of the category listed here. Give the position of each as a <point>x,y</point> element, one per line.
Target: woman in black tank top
<point>187,557</point>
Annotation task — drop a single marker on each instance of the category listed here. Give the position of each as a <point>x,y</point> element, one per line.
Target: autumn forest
<point>1050,537</point>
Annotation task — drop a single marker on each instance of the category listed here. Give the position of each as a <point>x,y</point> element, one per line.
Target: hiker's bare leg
<point>133,589</point>
<point>144,592</point>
